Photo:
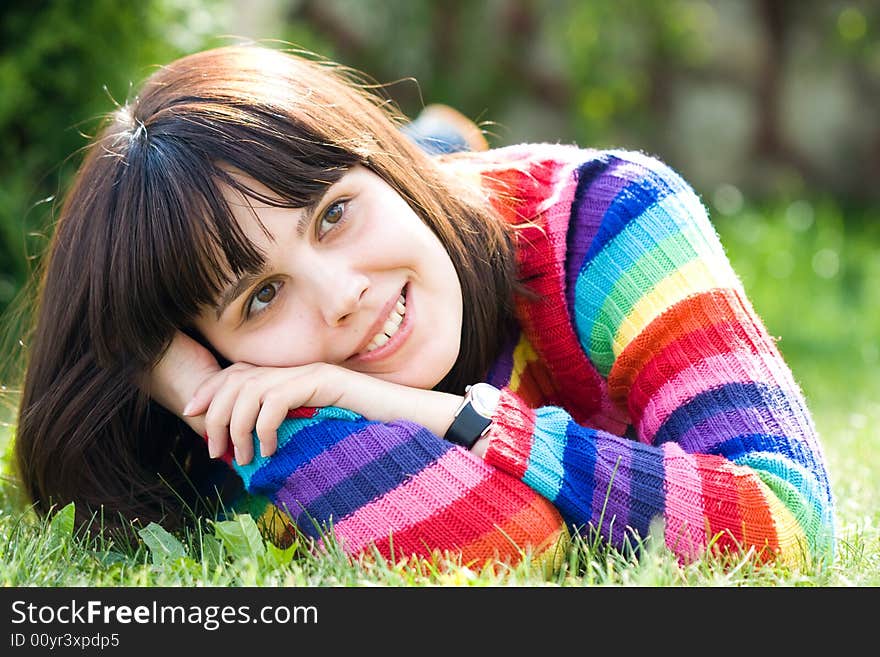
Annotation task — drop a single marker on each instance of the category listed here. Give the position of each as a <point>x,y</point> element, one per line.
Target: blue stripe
<point>599,277</point>
<point>630,202</point>
<point>289,428</point>
<point>646,487</point>
<point>546,470</point>
<point>575,499</point>
<point>737,447</point>
<point>311,438</point>
<point>730,396</point>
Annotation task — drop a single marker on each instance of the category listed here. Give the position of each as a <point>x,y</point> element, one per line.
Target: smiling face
<point>356,280</point>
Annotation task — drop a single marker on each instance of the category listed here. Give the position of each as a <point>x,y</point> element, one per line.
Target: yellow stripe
<point>523,354</point>
<point>694,277</point>
<point>793,546</point>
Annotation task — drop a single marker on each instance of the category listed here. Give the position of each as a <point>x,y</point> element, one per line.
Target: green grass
<point>811,273</point>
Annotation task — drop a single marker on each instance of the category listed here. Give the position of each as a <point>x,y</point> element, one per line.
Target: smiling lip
<point>395,341</point>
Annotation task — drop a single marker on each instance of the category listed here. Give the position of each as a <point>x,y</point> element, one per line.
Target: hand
<point>243,398</point>
<point>177,376</point>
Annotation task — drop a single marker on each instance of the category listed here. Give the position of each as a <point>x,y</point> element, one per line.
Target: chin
<point>422,375</point>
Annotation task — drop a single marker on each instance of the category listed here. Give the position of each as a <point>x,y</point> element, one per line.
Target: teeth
<point>395,317</point>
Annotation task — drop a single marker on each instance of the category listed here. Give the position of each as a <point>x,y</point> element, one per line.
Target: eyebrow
<point>238,287</point>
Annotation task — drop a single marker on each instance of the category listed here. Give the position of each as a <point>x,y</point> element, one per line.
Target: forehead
<point>255,207</point>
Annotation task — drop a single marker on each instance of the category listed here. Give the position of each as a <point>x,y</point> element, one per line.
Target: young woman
<point>478,353</point>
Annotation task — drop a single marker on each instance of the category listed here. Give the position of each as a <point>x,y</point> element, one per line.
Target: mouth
<point>391,333</point>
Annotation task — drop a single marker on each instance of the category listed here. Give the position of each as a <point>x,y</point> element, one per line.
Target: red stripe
<point>510,438</point>
<point>545,317</point>
<point>678,356</point>
<point>536,387</point>
<point>478,517</point>
<point>720,504</point>
<point>687,315</point>
<point>704,325</point>
<point>302,412</point>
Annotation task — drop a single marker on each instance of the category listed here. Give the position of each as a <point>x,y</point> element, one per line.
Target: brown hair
<point>144,236</point>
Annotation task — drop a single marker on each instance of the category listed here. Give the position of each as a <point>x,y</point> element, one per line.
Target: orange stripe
<point>759,528</point>
<point>690,351</point>
<point>497,502</point>
<point>535,387</point>
<point>535,528</point>
<point>692,314</point>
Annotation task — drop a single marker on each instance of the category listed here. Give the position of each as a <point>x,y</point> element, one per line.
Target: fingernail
<point>188,408</point>
<point>237,459</point>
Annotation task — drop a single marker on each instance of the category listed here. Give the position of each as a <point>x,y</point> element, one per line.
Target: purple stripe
<point>706,436</point>
<point>502,368</point>
<point>341,461</point>
<point>612,463</point>
<point>588,216</point>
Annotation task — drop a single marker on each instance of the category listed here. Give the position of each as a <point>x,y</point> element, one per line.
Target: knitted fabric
<point>642,397</point>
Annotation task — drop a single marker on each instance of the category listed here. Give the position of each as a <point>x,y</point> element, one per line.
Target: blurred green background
<point>752,100</point>
<point>768,107</point>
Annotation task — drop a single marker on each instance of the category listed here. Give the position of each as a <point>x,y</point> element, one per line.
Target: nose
<point>340,292</point>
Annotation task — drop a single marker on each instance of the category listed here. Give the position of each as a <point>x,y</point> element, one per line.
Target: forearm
<point>382,401</point>
<point>187,379</point>
<point>601,482</point>
<point>726,446</point>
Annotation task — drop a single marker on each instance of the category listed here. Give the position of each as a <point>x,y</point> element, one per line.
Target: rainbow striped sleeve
<point>726,455</point>
<point>398,489</point>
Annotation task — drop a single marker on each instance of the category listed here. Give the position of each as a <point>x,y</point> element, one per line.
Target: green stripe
<point>632,285</point>
<point>794,491</point>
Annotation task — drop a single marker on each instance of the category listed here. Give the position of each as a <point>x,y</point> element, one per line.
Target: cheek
<point>279,343</point>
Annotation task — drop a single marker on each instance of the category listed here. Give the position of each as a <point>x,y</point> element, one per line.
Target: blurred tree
<point>776,98</point>
<point>63,65</point>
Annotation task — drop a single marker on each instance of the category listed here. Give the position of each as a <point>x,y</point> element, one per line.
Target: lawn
<point>811,270</point>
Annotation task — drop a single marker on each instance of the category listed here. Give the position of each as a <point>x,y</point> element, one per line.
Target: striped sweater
<point>641,397</point>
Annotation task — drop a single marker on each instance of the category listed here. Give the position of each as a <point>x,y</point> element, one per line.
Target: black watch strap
<point>467,427</point>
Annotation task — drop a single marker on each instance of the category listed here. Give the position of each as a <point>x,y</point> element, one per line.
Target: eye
<point>332,216</point>
<point>261,298</point>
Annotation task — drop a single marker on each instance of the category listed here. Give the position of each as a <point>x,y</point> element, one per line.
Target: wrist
<point>481,446</point>
<point>432,409</point>
<point>473,417</point>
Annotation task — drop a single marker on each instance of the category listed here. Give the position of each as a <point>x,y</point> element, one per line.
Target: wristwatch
<point>474,416</point>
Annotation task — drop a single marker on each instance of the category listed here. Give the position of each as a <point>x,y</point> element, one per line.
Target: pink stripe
<point>557,210</point>
<point>705,374</point>
<point>436,487</point>
<point>685,522</point>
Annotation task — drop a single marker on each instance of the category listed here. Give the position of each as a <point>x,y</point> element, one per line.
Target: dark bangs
<point>175,243</point>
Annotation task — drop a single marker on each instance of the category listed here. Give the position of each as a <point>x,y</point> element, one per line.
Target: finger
<point>272,413</point>
<point>217,416</point>
<point>282,391</point>
<point>203,396</point>
<point>243,417</point>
